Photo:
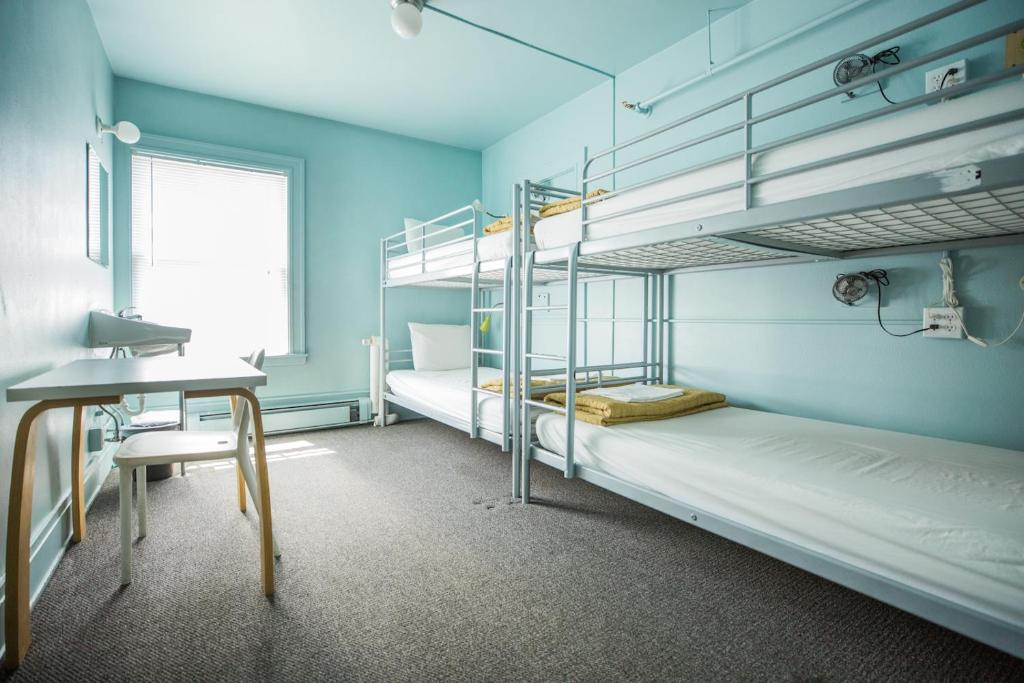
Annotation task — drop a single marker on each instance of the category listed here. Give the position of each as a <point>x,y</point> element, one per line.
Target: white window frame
<point>295,169</point>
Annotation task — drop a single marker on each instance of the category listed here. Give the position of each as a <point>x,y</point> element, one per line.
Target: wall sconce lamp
<point>125,131</point>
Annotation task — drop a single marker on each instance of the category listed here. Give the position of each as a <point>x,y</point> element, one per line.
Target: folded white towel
<point>635,393</point>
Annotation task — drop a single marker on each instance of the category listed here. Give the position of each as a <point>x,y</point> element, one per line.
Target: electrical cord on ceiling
<point>881,279</point>
<point>889,57</point>
<point>950,300</point>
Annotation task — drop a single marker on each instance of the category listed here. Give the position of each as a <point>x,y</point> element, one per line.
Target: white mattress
<point>941,516</point>
<point>448,392</point>
<point>444,256</point>
<point>966,148</point>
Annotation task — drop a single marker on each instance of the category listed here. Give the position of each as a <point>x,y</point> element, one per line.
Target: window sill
<point>285,360</point>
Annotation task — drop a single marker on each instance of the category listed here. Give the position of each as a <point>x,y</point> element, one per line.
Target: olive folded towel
<point>566,205</point>
<point>504,224</point>
<point>496,384</point>
<point>604,411</point>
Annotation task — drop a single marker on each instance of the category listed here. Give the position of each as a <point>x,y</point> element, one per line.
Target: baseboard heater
<point>303,417</point>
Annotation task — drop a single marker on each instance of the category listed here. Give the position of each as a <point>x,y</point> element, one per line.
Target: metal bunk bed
<point>448,254</point>
<point>976,205</point>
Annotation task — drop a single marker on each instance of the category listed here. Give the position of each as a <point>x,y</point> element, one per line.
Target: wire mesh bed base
<point>918,213</point>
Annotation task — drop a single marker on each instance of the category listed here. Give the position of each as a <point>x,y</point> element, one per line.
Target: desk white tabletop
<point>119,376</point>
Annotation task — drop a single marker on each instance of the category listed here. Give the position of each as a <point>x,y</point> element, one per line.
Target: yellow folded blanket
<point>496,384</point>
<point>603,411</point>
<point>504,224</point>
<point>566,205</point>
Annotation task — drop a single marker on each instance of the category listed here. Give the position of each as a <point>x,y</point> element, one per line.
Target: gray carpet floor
<point>405,560</point>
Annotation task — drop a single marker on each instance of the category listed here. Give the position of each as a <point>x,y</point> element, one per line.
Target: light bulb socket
<point>418,4</point>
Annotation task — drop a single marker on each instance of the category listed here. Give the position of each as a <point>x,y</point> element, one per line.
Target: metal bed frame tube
<point>749,151</point>
<point>824,61</point>
<point>932,56</point>
<point>663,329</point>
<point>383,350</point>
<point>512,304</point>
<point>475,349</point>
<point>838,90</point>
<point>527,365</point>
<point>570,364</point>
<point>507,426</point>
<point>949,91</point>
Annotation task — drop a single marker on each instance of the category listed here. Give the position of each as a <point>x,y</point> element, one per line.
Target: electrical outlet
<point>946,319</point>
<point>542,298</point>
<point>933,79</point>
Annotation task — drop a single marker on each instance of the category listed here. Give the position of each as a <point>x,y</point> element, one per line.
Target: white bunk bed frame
<point>795,231</point>
<point>478,276</point>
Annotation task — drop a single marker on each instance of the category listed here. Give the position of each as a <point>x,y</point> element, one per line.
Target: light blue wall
<point>54,81</point>
<point>772,338</point>
<point>360,184</point>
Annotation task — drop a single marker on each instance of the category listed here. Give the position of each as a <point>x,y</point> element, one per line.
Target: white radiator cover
<point>299,417</point>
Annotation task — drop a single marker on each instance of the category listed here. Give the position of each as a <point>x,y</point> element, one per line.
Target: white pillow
<point>439,347</point>
<point>417,238</point>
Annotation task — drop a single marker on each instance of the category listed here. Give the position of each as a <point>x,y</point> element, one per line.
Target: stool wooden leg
<point>244,465</point>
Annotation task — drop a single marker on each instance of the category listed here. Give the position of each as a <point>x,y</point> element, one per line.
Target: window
<point>214,248</point>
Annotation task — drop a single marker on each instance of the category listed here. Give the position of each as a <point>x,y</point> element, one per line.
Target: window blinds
<point>210,251</point>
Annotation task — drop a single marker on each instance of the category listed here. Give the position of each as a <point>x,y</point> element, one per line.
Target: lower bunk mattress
<point>941,516</point>
<point>448,392</point>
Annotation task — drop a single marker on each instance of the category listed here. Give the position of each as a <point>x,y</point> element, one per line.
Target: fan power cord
<point>881,279</point>
<point>950,300</point>
<point>889,57</point>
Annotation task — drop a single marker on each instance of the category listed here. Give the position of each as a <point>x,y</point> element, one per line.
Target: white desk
<point>100,382</point>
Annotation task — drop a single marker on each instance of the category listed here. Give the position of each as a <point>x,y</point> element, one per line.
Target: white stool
<point>161,448</point>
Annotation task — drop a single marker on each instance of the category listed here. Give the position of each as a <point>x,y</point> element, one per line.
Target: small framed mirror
<point>97,210</point>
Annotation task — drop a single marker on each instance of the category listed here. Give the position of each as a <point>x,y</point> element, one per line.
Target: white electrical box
<point>541,298</point>
<point>933,80</point>
<point>947,320</point>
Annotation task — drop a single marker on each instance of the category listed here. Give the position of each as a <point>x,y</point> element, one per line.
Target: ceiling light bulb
<point>406,19</point>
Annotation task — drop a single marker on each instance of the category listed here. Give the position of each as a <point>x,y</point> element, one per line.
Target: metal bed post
<point>512,308</point>
<point>527,368</point>
<point>570,362</point>
<point>474,331</point>
<point>645,324</point>
<point>747,145</point>
<point>476,343</point>
<point>382,411</point>
<point>663,317</point>
<point>508,426</point>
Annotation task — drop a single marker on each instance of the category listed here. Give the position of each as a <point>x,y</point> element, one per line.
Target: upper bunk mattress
<point>942,516</point>
<point>448,391</point>
<point>991,142</point>
<point>450,255</point>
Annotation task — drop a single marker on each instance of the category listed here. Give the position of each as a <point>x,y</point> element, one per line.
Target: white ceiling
<point>339,59</point>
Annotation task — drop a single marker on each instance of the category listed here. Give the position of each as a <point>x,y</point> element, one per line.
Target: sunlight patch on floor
<point>276,452</point>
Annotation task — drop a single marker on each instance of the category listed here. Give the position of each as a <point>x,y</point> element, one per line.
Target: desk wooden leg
<point>78,476</point>
<point>17,619</point>
<point>263,477</point>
